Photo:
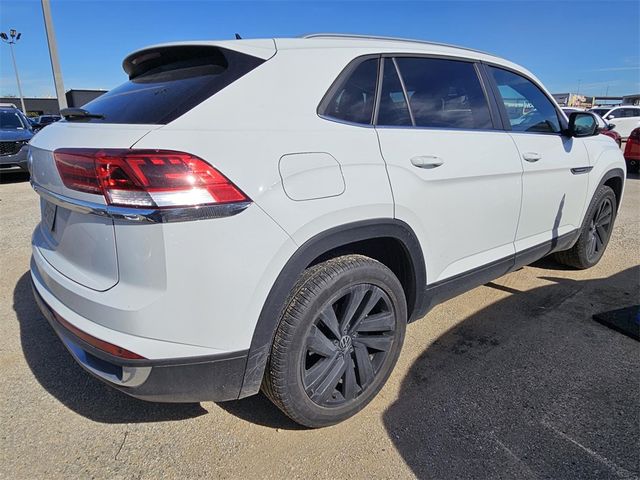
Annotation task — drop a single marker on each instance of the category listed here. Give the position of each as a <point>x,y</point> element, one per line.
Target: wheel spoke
<point>375,294</point>
<point>605,211</point>
<point>350,384</point>
<point>378,322</point>
<point>328,317</point>
<point>377,342</point>
<point>320,344</point>
<point>602,233</point>
<point>591,245</point>
<point>317,372</point>
<point>364,366</point>
<point>329,381</point>
<point>598,241</point>
<point>354,299</point>
<point>605,217</point>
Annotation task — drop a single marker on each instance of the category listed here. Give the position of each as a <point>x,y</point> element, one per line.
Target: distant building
<point>573,100</point>
<point>631,99</point>
<point>49,106</point>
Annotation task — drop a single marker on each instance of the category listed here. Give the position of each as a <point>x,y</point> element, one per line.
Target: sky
<point>592,48</point>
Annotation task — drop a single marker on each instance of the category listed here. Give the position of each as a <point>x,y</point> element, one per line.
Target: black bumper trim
<point>214,378</point>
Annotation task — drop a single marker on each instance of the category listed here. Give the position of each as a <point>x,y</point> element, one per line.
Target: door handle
<point>427,161</point>
<point>531,156</point>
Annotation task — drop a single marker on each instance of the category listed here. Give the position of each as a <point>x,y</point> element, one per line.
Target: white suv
<point>624,117</point>
<point>271,213</point>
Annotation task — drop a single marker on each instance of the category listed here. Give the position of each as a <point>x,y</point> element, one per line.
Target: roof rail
<point>395,39</point>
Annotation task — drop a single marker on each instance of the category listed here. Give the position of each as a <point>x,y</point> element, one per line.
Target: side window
<point>352,98</point>
<point>393,106</point>
<point>444,93</point>
<point>627,112</point>
<point>528,109</point>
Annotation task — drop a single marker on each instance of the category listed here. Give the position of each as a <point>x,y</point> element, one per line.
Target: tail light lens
<point>635,134</point>
<point>145,178</point>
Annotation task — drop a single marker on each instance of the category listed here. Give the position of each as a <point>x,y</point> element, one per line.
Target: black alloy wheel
<point>347,343</point>
<point>600,229</point>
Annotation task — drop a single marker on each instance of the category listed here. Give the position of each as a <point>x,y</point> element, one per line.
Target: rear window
<point>167,82</point>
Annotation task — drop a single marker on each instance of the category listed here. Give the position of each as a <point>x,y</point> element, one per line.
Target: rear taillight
<point>635,135</point>
<point>145,178</point>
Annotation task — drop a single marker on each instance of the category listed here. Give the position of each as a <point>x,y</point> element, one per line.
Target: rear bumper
<point>205,378</point>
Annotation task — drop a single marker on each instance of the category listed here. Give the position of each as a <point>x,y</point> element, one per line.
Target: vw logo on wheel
<point>345,342</point>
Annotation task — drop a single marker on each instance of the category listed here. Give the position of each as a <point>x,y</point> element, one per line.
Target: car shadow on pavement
<point>529,387</point>
<point>14,177</point>
<point>55,369</point>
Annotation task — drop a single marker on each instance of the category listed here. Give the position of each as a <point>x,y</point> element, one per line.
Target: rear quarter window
<point>165,83</point>
<point>351,98</point>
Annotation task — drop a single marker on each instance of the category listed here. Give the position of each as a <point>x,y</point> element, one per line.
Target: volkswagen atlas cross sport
<point>270,214</point>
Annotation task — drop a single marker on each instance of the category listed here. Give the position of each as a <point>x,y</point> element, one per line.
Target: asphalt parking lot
<point>511,380</point>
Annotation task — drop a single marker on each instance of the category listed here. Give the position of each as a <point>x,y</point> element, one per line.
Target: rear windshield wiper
<point>78,113</point>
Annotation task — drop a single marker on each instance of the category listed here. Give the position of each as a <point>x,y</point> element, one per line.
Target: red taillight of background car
<point>145,178</point>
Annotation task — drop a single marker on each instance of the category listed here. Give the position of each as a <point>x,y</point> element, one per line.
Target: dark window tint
<point>626,112</point>
<point>528,109</point>
<point>600,111</point>
<point>393,106</point>
<point>352,98</point>
<point>167,82</point>
<point>444,93</point>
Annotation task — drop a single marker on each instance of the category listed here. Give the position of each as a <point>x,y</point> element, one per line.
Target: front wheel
<point>338,340</point>
<point>595,232</point>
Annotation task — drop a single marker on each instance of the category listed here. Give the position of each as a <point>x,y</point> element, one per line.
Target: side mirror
<point>611,126</point>
<point>582,124</point>
<point>609,117</point>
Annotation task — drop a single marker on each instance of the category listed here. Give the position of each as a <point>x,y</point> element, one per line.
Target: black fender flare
<point>614,172</point>
<point>301,259</point>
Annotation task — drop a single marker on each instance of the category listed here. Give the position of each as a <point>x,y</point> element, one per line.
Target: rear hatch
<point>164,83</point>
<point>80,246</point>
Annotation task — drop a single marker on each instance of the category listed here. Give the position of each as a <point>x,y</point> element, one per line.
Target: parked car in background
<point>44,120</point>
<point>632,151</point>
<point>625,118</point>
<point>15,133</point>
<point>604,127</point>
<point>231,219</point>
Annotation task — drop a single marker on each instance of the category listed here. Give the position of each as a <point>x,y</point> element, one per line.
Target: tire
<point>324,367</point>
<point>595,232</point>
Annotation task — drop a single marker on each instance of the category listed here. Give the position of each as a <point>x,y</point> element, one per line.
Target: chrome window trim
<point>141,215</point>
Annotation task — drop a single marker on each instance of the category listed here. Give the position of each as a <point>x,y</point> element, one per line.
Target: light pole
<point>53,54</point>
<point>11,39</point>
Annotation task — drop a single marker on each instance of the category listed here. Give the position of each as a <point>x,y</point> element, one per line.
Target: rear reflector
<point>96,342</point>
<point>145,178</point>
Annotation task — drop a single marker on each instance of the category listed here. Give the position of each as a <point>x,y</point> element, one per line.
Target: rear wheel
<point>595,232</point>
<point>338,340</point>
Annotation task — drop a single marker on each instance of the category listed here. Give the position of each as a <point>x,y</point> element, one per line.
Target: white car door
<point>556,167</point>
<point>455,179</point>
<point>625,120</point>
